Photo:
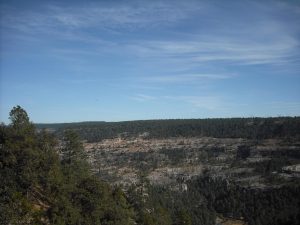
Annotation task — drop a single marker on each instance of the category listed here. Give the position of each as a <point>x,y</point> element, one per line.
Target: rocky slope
<point>171,161</point>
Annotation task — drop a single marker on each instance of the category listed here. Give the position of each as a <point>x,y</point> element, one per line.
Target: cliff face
<point>172,161</point>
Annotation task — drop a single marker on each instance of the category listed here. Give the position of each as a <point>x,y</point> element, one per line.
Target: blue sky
<point>67,61</point>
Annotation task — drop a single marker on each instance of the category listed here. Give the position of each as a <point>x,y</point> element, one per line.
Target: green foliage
<point>253,128</point>
<point>48,181</point>
<point>184,218</point>
<point>19,168</point>
<point>38,188</point>
<point>276,205</point>
<point>72,150</point>
<point>18,117</point>
<point>164,206</point>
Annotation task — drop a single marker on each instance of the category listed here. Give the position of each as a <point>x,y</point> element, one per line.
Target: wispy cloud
<point>263,41</point>
<point>78,81</point>
<point>205,102</point>
<point>143,98</point>
<point>186,78</point>
<point>100,15</point>
<point>290,105</point>
<point>211,103</point>
<point>242,50</point>
<point>119,15</point>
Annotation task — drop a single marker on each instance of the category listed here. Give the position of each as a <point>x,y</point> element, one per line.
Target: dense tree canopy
<point>253,128</point>
<point>18,117</point>
<point>45,180</point>
<point>38,188</point>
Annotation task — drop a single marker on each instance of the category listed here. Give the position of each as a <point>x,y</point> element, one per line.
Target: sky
<point>68,61</point>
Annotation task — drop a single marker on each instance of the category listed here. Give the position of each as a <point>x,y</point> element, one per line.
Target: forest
<point>47,179</point>
<point>253,128</point>
<point>41,185</point>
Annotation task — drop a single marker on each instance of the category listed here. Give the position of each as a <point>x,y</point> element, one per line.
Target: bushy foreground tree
<point>39,186</point>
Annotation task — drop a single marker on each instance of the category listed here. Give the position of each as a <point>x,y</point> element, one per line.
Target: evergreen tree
<point>38,188</point>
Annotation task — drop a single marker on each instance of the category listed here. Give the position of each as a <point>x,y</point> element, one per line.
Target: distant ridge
<point>253,127</point>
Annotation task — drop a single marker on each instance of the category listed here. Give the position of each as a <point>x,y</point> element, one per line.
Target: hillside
<point>234,165</point>
<point>252,128</point>
<point>168,172</point>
